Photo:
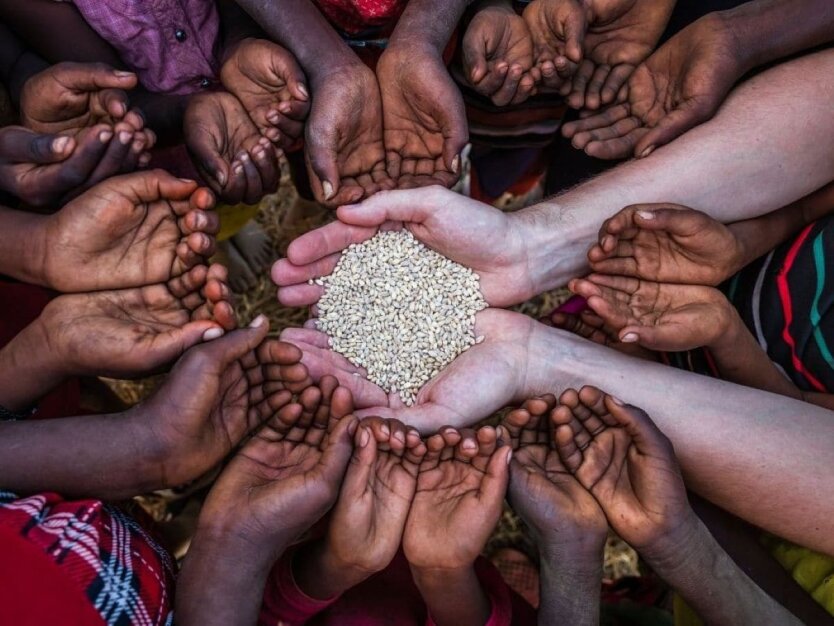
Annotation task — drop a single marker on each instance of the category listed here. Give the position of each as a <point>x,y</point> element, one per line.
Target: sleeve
<point>284,602</point>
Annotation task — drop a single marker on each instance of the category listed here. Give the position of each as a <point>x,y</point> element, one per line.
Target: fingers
<point>579,84</point>
<point>21,145</point>
<point>338,449</point>
<point>324,241</point>
<point>358,475</point>
<point>407,205</point>
<point>494,483</point>
<point>673,125</point>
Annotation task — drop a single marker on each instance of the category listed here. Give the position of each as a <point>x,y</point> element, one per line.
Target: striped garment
<point>80,562</point>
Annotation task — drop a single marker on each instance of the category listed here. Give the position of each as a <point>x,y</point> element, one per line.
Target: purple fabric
<point>172,45</point>
<point>572,306</point>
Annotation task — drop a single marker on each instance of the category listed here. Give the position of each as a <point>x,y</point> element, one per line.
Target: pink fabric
<point>572,306</point>
<point>389,597</point>
<point>355,16</point>
<point>144,33</point>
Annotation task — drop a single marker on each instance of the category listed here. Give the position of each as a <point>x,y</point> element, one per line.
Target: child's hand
<point>69,98</point>
<point>271,86</point>
<point>237,162</point>
<point>460,492</point>
<point>133,332</point>
<point>423,117</point>
<point>343,145</point>
<point>287,477</point>
<point>620,35</point>
<point>679,86</point>
<point>659,316</point>
<point>498,55</point>
<point>558,29</point>
<point>366,525</point>
<point>45,170</point>
<point>564,517</point>
<point>666,243</point>
<point>131,231</point>
<point>617,453</point>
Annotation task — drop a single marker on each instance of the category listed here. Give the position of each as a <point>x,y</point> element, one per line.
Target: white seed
<point>400,310</point>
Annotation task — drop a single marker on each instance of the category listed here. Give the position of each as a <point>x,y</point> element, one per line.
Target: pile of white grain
<point>400,310</point>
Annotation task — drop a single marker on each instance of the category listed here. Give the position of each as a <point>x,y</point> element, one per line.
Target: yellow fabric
<point>233,217</point>
<point>813,572</point>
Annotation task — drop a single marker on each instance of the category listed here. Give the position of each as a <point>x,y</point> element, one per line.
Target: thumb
<point>93,76</point>
<point>404,205</point>
<point>662,338</point>
<point>475,46</point>
<point>575,26</point>
<point>151,185</point>
<point>672,218</point>
<point>338,450</point>
<point>455,132</point>
<point>671,126</point>
<point>494,484</point>
<point>227,349</point>
<point>361,463</point>
<point>647,437</point>
<point>321,161</point>
<point>21,145</point>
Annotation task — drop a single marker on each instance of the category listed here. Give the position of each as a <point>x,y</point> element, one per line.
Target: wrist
<point>728,329</point>
<point>736,28</point>
<point>322,575</point>
<point>224,535</point>
<point>674,545</point>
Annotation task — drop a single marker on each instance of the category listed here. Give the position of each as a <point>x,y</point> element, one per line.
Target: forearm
<point>697,568</point>
<point>767,30</point>
<point>740,359</point>
<point>429,22</point>
<point>235,25</point>
<point>453,597</point>
<point>100,456</point>
<point>569,595</point>
<point>709,168</point>
<point>299,26</point>
<point>222,580</point>
<point>29,369</point>
<point>772,446</point>
<point>23,245</point>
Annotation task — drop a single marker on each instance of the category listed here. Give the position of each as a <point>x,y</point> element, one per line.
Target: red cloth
<point>389,597</point>
<point>355,16</point>
<point>78,563</point>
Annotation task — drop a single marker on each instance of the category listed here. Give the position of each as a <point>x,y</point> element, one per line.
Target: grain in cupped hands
<point>399,310</point>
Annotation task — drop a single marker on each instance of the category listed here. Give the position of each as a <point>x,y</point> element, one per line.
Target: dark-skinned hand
<point>69,98</point>
<point>271,86</point>
<point>235,160</point>
<point>559,511</point>
<point>217,393</point>
<point>557,28</point>
<point>497,55</point>
<point>287,477</point>
<point>617,453</point>
<point>658,316</point>
<point>423,117</point>
<point>620,35</point>
<point>667,243</point>
<point>343,145</point>
<point>459,498</point>
<point>134,332</point>
<point>130,231</point>
<point>679,86</point>
<point>49,170</point>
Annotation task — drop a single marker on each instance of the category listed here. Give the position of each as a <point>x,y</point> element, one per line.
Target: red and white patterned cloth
<point>78,563</point>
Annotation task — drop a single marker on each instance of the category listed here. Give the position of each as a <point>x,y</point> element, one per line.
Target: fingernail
<point>212,333</point>
<point>364,438</point>
<point>60,144</point>
<point>105,135</point>
<point>629,338</point>
<point>186,180</point>
<point>456,164</point>
<point>646,152</point>
<point>284,107</point>
<point>469,444</point>
<point>122,74</point>
<point>399,437</point>
<point>124,137</point>
<point>509,456</point>
<point>258,321</point>
<point>328,189</point>
<point>616,401</point>
<point>385,431</point>
<point>646,215</point>
<point>273,117</point>
<point>221,178</point>
<point>200,221</point>
<point>303,90</point>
